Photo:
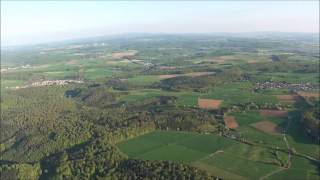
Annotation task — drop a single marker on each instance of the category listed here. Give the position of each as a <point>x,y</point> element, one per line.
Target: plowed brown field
<point>209,103</point>
<point>287,98</point>
<point>275,113</point>
<point>308,94</point>
<point>230,122</point>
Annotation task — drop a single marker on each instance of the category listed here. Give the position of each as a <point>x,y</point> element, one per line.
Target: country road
<point>289,153</point>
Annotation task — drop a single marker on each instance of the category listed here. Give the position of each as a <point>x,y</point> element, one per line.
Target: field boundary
<point>213,170</point>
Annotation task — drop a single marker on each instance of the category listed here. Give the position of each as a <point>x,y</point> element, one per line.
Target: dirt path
<point>219,151</point>
<point>289,153</point>
<point>212,154</point>
<point>272,173</point>
<point>289,150</point>
<point>286,141</point>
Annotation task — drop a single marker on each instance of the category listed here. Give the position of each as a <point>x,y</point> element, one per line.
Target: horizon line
<point>151,33</point>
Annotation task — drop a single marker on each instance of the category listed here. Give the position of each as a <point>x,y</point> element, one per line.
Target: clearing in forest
<point>267,127</point>
<point>230,122</point>
<point>209,103</point>
<point>274,113</point>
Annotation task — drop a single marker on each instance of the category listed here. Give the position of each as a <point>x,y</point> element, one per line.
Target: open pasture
<point>250,122</point>
<point>300,169</point>
<point>253,153</point>
<point>254,135</point>
<point>142,80</point>
<point>238,93</point>
<point>239,165</point>
<point>95,73</point>
<point>205,151</point>
<point>160,144</point>
<point>247,118</point>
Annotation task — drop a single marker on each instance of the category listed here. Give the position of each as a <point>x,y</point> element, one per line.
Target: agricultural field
<point>301,169</point>
<point>185,106</point>
<point>218,155</point>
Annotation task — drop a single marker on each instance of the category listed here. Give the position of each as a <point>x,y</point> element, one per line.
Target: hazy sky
<point>24,22</point>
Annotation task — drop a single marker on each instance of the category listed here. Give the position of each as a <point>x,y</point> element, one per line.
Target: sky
<point>31,22</point>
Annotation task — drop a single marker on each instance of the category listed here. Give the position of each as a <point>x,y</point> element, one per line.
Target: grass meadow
<point>206,151</point>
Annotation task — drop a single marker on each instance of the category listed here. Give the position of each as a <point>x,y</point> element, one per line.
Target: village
<point>49,83</point>
<point>284,85</point>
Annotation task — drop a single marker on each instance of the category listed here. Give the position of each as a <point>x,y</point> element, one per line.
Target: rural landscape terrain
<point>162,106</point>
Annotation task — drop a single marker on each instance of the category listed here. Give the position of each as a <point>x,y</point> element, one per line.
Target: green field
<point>202,150</point>
<point>236,93</point>
<point>95,73</point>
<point>230,94</point>
<point>125,121</point>
<point>10,83</point>
<point>300,169</point>
<point>239,165</point>
<point>143,80</point>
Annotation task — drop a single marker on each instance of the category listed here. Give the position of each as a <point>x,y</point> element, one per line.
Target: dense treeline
<point>86,161</point>
<point>283,66</point>
<point>97,159</point>
<point>139,169</point>
<point>42,122</point>
<point>46,120</point>
<point>311,118</point>
<point>202,83</point>
<point>12,171</point>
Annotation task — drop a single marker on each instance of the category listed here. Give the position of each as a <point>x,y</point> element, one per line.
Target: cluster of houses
<point>15,68</point>
<point>284,85</point>
<point>49,83</point>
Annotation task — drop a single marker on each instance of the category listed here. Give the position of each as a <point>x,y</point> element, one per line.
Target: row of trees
<point>311,118</point>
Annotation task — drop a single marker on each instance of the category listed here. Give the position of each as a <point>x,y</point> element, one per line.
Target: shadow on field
<point>48,163</point>
<point>296,128</point>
